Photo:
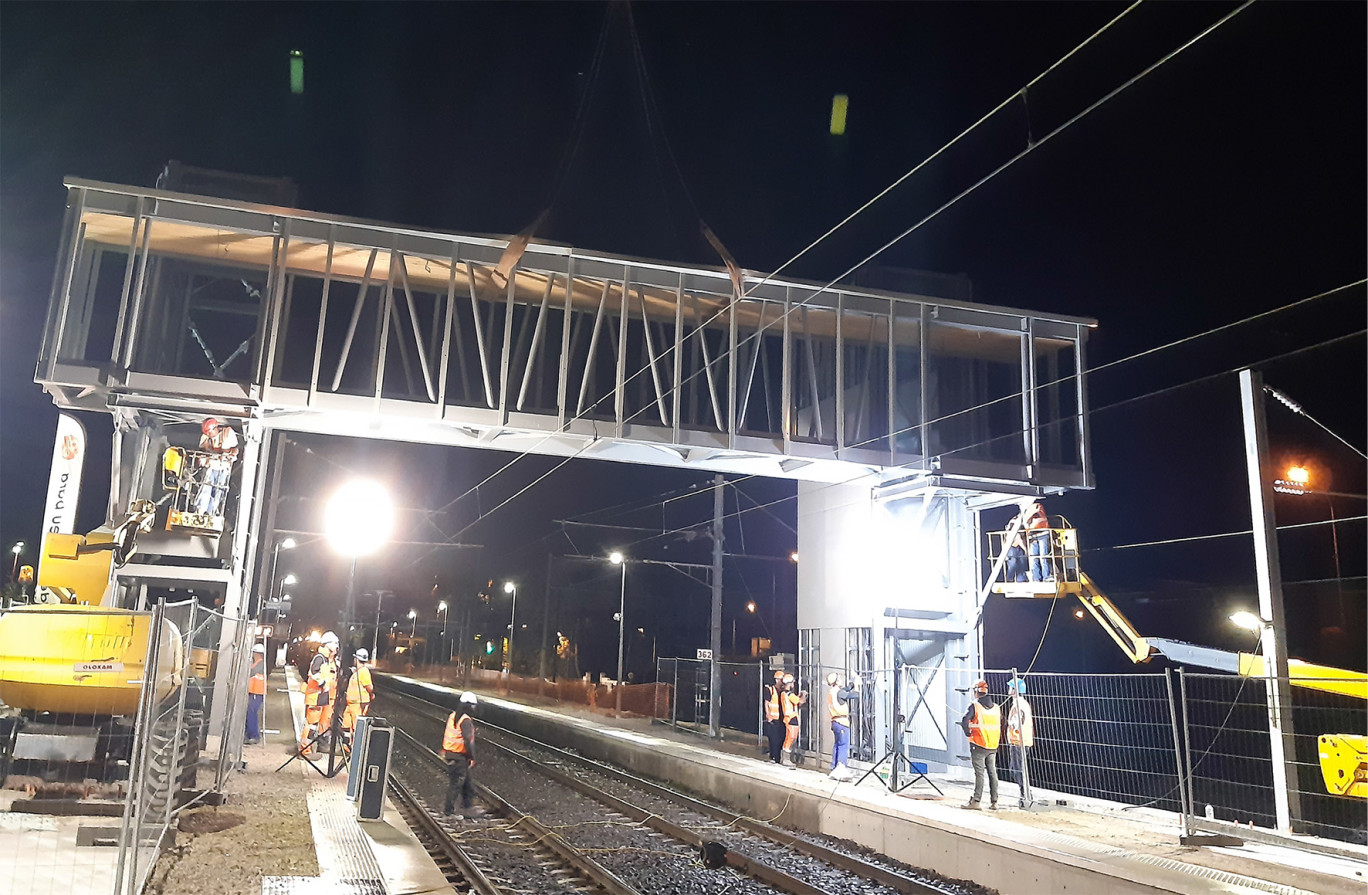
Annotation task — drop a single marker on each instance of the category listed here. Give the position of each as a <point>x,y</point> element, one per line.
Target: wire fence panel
<point>687,701</point>
<point>1105,736</point>
<point>1227,729</point>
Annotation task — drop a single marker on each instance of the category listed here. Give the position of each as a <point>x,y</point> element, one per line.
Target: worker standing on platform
<point>983,725</point>
<point>220,442</point>
<point>360,692</point>
<point>1038,533</point>
<point>838,708</point>
<point>774,717</point>
<point>792,701</point>
<point>1021,737</point>
<point>320,688</point>
<point>256,693</point>
<point>458,749</point>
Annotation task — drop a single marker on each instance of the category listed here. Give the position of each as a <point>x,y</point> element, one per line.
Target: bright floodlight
<point>413,614</point>
<point>616,558</point>
<point>288,544</point>
<point>289,579</point>
<point>750,607</point>
<point>359,518</point>
<point>1247,620</point>
<point>441,607</point>
<point>18,548</point>
<point>1299,475</point>
<point>793,557</point>
<point>509,587</point>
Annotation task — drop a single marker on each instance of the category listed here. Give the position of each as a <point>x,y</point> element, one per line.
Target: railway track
<point>759,853</point>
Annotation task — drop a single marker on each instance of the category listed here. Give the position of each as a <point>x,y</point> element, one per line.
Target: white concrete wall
<point>859,557</point>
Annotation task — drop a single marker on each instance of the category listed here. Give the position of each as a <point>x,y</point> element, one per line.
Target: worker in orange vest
<point>458,749</point>
<point>320,691</point>
<point>774,716</point>
<point>792,701</point>
<point>360,692</point>
<point>1039,538</point>
<point>983,725</point>
<point>256,693</point>
<point>1021,737</point>
<point>838,709</point>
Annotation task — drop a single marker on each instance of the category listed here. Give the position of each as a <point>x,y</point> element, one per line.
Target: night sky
<point>1228,182</point>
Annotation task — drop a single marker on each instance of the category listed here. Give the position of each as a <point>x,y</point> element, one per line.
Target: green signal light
<point>296,72</point>
<point>489,648</point>
<point>839,103</point>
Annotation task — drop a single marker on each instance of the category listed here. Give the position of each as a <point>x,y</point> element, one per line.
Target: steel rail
<point>816,850</point>
<point>542,834</point>
<point>413,811</point>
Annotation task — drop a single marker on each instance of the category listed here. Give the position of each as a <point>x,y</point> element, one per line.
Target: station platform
<point>1087,846</point>
<point>380,857</point>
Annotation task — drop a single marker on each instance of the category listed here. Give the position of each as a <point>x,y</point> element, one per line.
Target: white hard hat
<point>468,698</point>
<point>330,638</point>
<point>258,647</point>
<point>362,656</point>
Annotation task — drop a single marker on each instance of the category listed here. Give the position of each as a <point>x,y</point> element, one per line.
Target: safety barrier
<point>688,702</point>
<point>1228,754</point>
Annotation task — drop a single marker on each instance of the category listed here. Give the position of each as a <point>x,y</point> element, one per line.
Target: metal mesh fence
<point>1230,755</point>
<point>686,703</point>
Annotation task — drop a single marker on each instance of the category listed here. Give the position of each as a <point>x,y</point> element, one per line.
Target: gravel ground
<point>646,859</point>
<point>275,840</point>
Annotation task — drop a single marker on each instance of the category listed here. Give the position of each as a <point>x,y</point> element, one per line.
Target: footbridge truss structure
<point>167,307</point>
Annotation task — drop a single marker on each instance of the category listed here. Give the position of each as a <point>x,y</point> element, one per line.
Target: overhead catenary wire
<point>1030,148</point>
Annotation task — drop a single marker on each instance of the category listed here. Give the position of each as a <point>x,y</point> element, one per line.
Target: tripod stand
<point>895,756</point>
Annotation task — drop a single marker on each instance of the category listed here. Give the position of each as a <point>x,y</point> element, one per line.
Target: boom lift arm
<point>1343,757</point>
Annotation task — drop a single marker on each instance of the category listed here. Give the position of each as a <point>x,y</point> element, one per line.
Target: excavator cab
<point>198,481</point>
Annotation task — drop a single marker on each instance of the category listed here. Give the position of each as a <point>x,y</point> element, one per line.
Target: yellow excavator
<point>1343,756</point>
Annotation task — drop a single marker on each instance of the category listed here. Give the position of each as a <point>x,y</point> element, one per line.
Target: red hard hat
<point>209,425</point>
<point>981,685</point>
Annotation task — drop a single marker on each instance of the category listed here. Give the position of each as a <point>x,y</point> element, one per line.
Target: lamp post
<point>18,551</point>
<point>618,559</point>
<point>442,611</point>
<point>284,544</point>
<point>511,588</point>
<point>279,593</point>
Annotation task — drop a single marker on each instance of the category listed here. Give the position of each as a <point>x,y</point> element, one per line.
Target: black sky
<point>1228,182</point>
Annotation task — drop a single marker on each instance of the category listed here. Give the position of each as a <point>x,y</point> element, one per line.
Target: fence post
<point>1191,810</point>
<point>145,699</point>
<point>674,697</point>
<point>1183,795</point>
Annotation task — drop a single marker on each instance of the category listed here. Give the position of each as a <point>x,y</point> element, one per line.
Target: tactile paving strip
<point>346,864</point>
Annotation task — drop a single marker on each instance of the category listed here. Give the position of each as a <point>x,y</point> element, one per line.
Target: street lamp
<point>413,631</point>
<point>619,560</point>
<point>511,588</point>
<point>17,550</point>
<point>1247,620</point>
<point>286,544</point>
<point>442,611</point>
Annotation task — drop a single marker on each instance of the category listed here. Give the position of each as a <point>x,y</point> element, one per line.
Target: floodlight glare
<point>1247,620</point>
<point>616,558</point>
<point>359,518</point>
<point>509,587</point>
<point>1299,474</point>
<point>288,544</point>
<point>289,579</point>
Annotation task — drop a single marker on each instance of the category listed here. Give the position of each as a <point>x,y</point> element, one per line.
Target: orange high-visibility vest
<point>1038,520</point>
<point>986,727</point>
<point>840,712</point>
<point>256,684</point>
<point>453,740</point>
<point>322,684</point>
<point>1021,724</point>
<point>773,712</point>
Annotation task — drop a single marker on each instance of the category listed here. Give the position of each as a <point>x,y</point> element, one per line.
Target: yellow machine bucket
<point>82,660</point>
<point>1344,764</point>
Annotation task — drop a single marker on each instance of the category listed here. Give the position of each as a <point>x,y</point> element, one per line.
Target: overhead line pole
<point>1268,573</point>
<point>715,640</point>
